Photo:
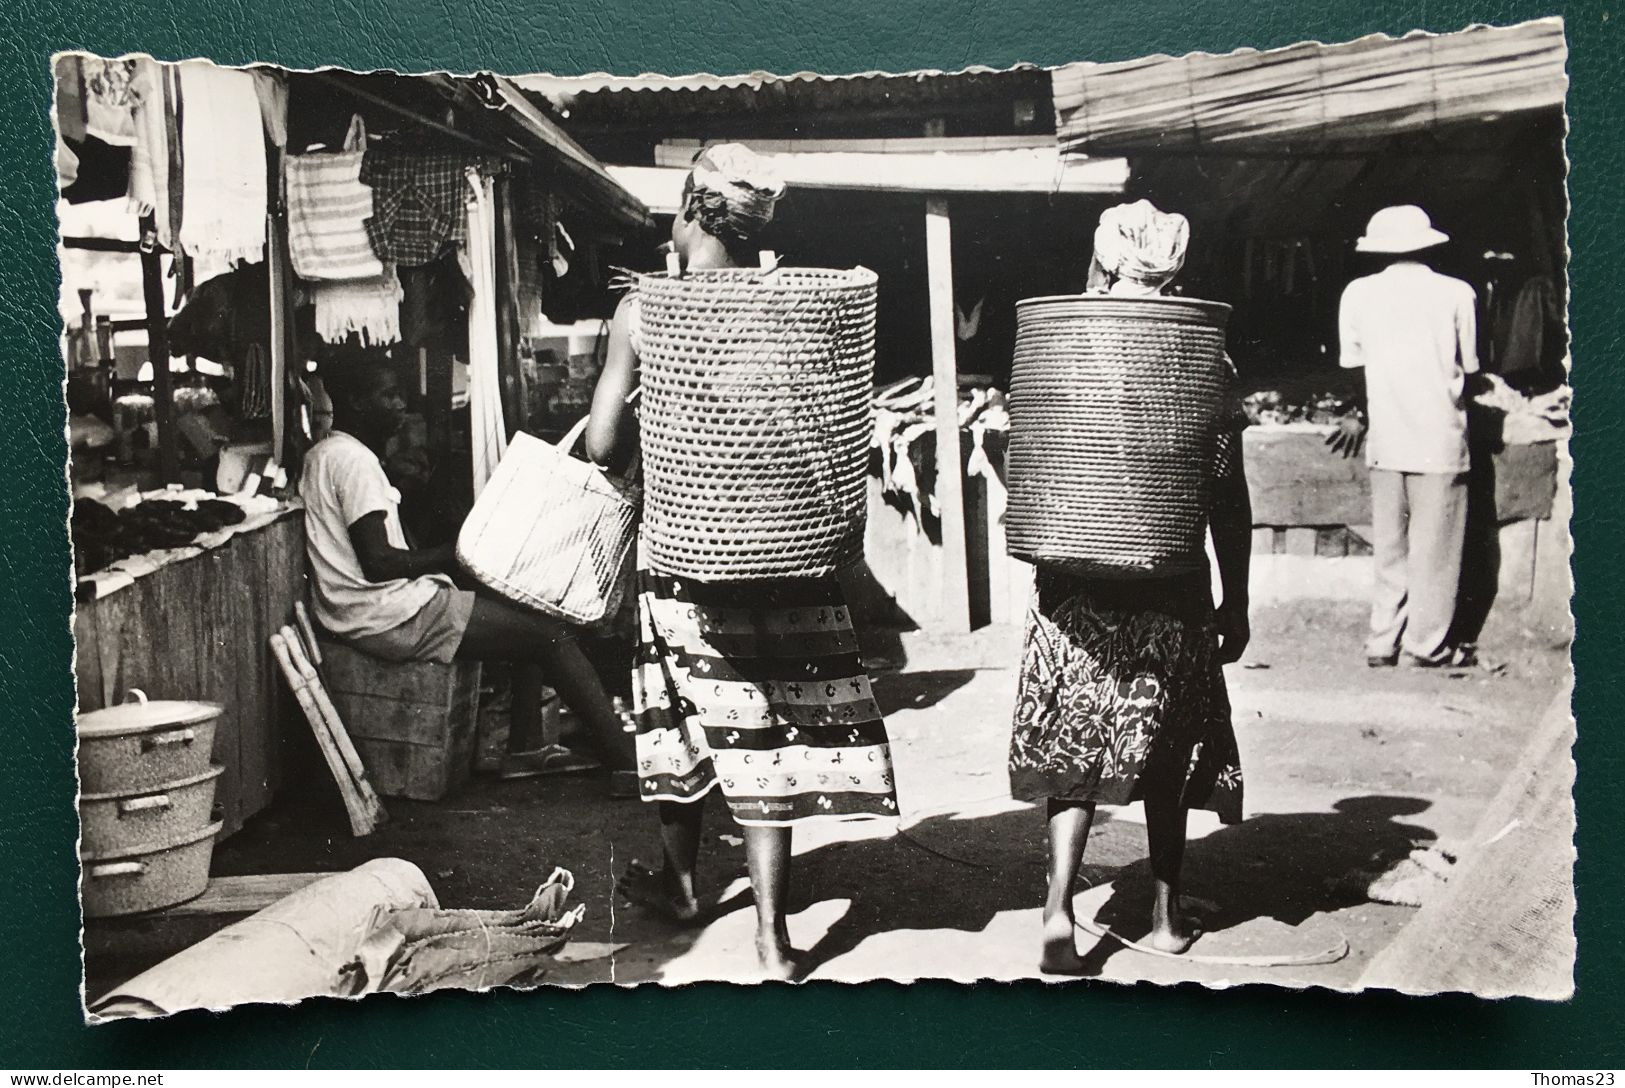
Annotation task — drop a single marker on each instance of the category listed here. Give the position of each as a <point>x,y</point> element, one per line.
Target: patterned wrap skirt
<point>1121,696</point>
<point>757,687</point>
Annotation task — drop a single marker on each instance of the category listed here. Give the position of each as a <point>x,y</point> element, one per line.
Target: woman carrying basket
<point>754,687</point>
<point>1121,695</point>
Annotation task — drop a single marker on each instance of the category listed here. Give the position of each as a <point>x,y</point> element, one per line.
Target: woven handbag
<point>1115,412</point>
<point>756,420</point>
<point>552,532</point>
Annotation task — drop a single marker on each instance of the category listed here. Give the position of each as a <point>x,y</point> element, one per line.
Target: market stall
<point>277,227</point>
<point>191,622</point>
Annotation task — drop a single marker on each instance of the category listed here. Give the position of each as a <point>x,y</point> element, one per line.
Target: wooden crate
<point>414,722</point>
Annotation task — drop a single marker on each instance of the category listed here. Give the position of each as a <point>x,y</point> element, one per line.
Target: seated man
<point>376,592</point>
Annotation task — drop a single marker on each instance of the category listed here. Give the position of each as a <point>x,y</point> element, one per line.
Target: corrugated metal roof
<point>600,82</point>
<point>1365,90</point>
<point>615,99</point>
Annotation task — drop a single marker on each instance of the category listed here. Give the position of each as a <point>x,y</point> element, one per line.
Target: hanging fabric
<point>222,162</point>
<point>418,199</point>
<point>150,157</point>
<point>272,90</point>
<point>328,206</point>
<point>70,97</point>
<point>111,96</point>
<point>370,308</point>
<point>488,437</point>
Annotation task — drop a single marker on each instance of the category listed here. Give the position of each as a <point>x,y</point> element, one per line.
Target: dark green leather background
<point>929,1025</point>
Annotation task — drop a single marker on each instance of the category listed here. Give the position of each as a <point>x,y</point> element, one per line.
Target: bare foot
<point>1170,932</point>
<point>1060,955</point>
<point>1174,939</point>
<point>780,962</point>
<point>658,892</point>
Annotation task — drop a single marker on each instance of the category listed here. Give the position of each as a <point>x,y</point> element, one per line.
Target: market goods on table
<point>755,418</point>
<point>104,535</point>
<point>1115,406</point>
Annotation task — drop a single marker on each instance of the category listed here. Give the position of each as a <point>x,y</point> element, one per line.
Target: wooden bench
<point>414,723</point>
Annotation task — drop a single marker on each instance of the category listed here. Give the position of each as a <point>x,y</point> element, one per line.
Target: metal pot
<point>149,878</point>
<point>114,822</point>
<point>139,746</point>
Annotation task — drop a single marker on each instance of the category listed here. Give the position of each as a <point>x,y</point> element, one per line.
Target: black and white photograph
<point>1108,521</point>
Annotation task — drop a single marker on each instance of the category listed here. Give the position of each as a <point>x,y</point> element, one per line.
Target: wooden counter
<point>197,628</point>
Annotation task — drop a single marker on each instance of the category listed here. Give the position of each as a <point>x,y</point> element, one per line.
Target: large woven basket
<point>1114,416</point>
<point>756,420</point>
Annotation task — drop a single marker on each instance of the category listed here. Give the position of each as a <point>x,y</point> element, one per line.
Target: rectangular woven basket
<point>1115,408</point>
<point>755,418</point>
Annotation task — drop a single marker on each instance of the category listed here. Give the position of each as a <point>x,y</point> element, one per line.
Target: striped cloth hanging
<point>327,207</point>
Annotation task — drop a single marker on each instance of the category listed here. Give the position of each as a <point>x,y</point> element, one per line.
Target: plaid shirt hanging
<point>418,202</point>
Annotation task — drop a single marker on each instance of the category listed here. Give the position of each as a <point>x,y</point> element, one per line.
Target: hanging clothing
<point>757,688</point>
<point>328,206</point>
<point>222,163</point>
<point>70,98</point>
<point>1533,332</point>
<point>272,90</point>
<point>487,432</point>
<point>370,308</point>
<point>111,95</point>
<point>418,202</point>
<point>152,160</point>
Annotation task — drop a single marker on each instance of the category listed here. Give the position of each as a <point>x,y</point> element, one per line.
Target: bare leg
<point>497,630</point>
<point>1165,830</point>
<point>767,852</point>
<point>1069,823</point>
<point>526,733</point>
<point>671,890</point>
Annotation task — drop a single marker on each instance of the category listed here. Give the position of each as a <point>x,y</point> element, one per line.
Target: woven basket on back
<point>1114,414</point>
<point>755,419</point>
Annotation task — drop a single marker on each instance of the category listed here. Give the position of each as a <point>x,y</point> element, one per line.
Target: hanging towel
<point>222,163</point>
<point>487,433</point>
<point>370,308</point>
<point>150,158</point>
<point>327,208</point>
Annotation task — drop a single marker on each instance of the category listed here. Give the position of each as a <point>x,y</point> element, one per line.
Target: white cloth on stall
<point>150,156</point>
<point>488,434</point>
<point>222,163</point>
<point>370,308</point>
<point>328,206</point>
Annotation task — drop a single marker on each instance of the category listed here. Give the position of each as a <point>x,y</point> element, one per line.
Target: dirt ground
<point>1347,769</point>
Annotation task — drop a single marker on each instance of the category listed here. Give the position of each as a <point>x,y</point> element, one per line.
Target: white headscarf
<point>1138,249</point>
<point>744,179</point>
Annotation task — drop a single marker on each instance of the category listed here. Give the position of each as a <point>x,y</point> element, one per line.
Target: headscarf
<point>746,182</point>
<point>1138,249</point>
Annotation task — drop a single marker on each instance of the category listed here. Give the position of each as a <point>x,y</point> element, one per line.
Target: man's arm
<point>1232,526</point>
<point>381,561</point>
<point>1350,434</point>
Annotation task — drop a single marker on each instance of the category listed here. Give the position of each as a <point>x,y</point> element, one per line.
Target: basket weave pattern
<point>1115,407</point>
<point>756,420</point>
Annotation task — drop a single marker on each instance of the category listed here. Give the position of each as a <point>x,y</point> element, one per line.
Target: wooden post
<point>163,400</point>
<point>507,310</point>
<point>950,485</point>
<point>278,260</point>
